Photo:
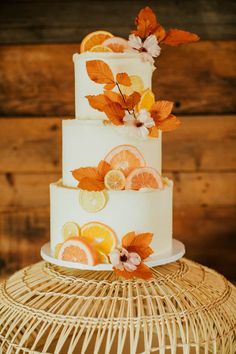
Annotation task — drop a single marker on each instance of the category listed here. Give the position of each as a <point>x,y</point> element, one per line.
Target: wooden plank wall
<point>37,40</point>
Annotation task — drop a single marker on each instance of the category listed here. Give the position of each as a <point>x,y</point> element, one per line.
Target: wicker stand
<point>186,308</point>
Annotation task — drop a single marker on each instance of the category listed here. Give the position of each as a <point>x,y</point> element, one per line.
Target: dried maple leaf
<point>142,272</point>
<point>90,184</point>
<point>146,23</point>
<point>175,37</point>
<point>98,102</point>
<point>103,168</point>
<point>168,124</point>
<point>85,172</point>
<point>123,79</point>
<point>100,72</point>
<point>132,100</point>
<point>115,113</point>
<point>138,243</point>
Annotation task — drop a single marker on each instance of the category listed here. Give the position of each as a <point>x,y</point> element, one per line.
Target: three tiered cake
<point>113,208</point>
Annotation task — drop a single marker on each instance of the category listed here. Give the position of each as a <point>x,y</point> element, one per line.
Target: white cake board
<point>178,250</point>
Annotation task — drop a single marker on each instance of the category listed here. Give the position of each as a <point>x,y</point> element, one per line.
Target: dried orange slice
<point>125,158</point>
<point>94,38</point>
<point>100,48</point>
<point>101,236</point>
<point>70,229</point>
<point>144,177</point>
<point>77,249</point>
<point>115,180</point>
<point>136,85</point>
<point>147,100</point>
<point>92,201</point>
<point>117,44</point>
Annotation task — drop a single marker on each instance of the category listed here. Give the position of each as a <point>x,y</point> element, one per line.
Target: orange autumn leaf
<point>103,168</point>
<point>98,102</point>
<point>153,132</point>
<point>142,272</point>
<point>85,172</point>
<point>91,184</point>
<point>114,97</point>
<point>138,243</point>
<point>161,109</point>
<point>146,23</point>
<point>175,37</point>
<point>109,86</point>
<point>123,79</point>
<point>115,113</point>
<point>132,100</point>
<point>169,123</point>
<point>100,72</point>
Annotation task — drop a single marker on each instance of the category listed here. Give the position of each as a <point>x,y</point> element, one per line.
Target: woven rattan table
<point>186,308</point>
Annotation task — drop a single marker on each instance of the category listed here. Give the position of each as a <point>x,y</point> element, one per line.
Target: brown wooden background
<point>37,40</point>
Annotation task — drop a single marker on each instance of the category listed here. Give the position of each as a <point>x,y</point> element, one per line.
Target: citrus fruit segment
<point>115,180</point>
<point>92,201</point>
<point>125,158</point>
<point>100,48</point>
<point>117,44</point>
<point>94,38</point>
<point>77,249</point>
<point>136,85</point>
<point>57,249</point>
<point>147,100</point>
<point>144,177</point>
<point>101,236</point>
<point>102,257</point>
<point>70,229</point>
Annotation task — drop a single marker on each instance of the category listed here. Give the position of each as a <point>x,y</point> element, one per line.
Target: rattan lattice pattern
<point>186,308</point>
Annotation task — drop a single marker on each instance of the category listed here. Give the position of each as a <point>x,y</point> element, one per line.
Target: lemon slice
<point>147,100</point>
<point>136,85</point>
<point>57,249</point>
<point>115,180</point>
<point>100,48</point>
<point>70,229</point>
<point>92,201</point>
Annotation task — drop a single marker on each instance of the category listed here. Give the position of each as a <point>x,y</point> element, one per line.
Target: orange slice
<point>100,48</point>
<point>144,177</point>
<point>101,236</point>
<point>136,85</point>
<point>70,229</point>
<point>117,44</point>
<point>77,249</point>
<point>94,38</point>
<point>147,100</point>
<point>102,257</point>
<point>125,158</point>
<point>115,180</point>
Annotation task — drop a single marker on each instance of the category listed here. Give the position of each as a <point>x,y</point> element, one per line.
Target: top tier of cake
<point>130,63</point>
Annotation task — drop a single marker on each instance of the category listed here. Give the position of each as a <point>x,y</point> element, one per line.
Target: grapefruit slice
<point>147,100</point>
<point>144,177</point>
<point>125,158</point>
<point>100,48</point>
<point>136,85</point>
<point>94,38</point>
<point>92,201</point>
<point>100,236</point>
<point>70,229</point>
<point>115,180</point>
<point>77,249</point>
<point>117,44</point>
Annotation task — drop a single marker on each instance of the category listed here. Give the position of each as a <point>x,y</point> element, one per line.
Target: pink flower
<point>149,48</point>
<point>123,260</point>
<point>140,124</point>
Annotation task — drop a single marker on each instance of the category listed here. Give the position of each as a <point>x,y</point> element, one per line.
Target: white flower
<point>149,48</point>
<point>123,260</point>
<point>139,126</point>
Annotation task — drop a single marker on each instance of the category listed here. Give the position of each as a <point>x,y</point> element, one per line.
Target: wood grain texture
<point>37,80</point>
<point>201,143</point>
<point>69,21</point>
<point>205,230</point>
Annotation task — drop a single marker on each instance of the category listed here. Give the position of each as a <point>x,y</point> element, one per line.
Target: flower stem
<point>118,86</point>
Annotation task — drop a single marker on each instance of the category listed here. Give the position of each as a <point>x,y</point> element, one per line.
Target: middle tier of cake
<point>87,142</point>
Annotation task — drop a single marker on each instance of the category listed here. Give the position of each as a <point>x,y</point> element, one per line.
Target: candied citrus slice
<point>57,249</point>
<point>144,177</point>
<point>94,38</point>
<point>77,249</point>
<point>102,257</point>
<point>115,180</point>
<point>100,48</point>
<point>70,229</point>
<point>117,44</point>
<point>147,100</point>
<point>125,158</point>
<point>92,201</point>
<point>101,236</point>
<point>136,85</point>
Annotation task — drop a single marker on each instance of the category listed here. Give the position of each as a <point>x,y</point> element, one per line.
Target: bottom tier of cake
<point>125,211</point>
